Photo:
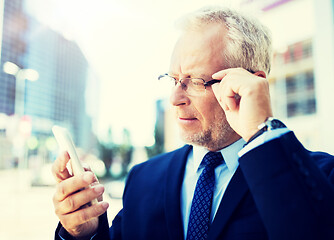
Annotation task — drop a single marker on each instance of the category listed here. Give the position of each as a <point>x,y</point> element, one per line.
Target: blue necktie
<point>199,219</point>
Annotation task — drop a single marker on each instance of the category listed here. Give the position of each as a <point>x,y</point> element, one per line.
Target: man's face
<point>201,119</point>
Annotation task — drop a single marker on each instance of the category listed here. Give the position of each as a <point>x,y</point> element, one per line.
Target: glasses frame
<point>206,84</point>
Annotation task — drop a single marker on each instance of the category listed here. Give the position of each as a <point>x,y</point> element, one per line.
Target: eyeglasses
<point>192,86</point>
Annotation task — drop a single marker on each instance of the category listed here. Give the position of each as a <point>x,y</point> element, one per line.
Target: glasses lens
<point>195,86</point>
<point>167,81</point>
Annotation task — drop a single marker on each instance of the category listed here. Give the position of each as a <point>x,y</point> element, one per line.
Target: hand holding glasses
<point>192,86</point>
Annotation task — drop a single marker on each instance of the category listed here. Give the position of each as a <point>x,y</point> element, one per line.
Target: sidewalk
<point>27,212</point>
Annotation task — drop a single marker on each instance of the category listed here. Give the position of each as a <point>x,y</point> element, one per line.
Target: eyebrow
<point>172,75</point>
<point>204,76</point>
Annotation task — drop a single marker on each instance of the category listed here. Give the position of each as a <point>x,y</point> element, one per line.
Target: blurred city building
<point>66,83</point>
<point>302,76</point>
<point>59,97</point>
<point>159,130</point>
<point>293,91</point>
<point>13,47</point>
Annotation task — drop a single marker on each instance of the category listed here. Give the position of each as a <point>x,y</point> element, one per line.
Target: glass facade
<point>13,49</point>
<point>58,96</point>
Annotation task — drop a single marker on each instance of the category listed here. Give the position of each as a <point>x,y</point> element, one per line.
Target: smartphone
<point>66,143</point>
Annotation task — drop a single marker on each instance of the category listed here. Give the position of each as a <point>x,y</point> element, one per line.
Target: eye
<point>197,82</point>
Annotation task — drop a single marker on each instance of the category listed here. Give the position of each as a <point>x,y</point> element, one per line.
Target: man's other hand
<point>72,199</point>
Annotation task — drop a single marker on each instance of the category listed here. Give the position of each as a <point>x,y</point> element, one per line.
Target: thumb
<point>215,89</point>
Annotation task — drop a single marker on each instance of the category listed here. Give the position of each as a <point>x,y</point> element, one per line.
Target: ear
<point>260,74</point>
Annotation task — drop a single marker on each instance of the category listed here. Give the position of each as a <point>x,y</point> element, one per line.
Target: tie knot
<point>212,159</point>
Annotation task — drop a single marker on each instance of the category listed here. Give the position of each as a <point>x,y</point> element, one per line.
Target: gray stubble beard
<point>216,137</point>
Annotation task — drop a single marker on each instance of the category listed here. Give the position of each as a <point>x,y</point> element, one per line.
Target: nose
<point>178,96</point>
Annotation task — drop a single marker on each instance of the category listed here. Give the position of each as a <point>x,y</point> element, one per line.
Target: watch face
<point>275,123</point>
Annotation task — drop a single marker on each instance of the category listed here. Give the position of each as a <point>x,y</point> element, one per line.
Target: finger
<point>96,182</point>
<point>79,199</point>
<point>222,73</point>
<point>231,104</point>
<point>217,90</point>
<point>84,215</point>
<point>72,185</point>
<point>86,166</point>
<point>230,98</point>
<point>59,169</point>
<point>88,169</point>
<point>225,94</point>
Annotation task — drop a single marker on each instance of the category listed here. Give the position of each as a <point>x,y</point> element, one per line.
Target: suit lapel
<point>235,191</point>
<point>175,174</point>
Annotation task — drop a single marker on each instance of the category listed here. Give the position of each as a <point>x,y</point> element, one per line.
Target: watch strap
<point>268,125</point>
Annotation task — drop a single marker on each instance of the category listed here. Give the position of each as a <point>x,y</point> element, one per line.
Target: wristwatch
<point>269,125</point>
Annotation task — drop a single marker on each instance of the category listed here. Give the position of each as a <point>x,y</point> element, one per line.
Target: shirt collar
<point>230,155</point>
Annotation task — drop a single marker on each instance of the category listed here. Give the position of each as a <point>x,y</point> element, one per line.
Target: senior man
<point>241,175</point>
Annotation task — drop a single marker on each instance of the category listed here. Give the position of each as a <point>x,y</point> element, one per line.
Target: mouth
<point>187,120</point>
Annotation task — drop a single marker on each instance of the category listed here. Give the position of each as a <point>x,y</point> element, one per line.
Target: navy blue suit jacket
<point>279,191</point>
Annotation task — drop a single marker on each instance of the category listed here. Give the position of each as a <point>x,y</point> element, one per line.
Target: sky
<point>129,43</point>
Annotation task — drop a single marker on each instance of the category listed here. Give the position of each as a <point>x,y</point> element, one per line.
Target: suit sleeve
<point>116,228</point>
<point>293,189</point>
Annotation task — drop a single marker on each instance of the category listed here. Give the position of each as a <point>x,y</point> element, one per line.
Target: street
<point>27,211</point>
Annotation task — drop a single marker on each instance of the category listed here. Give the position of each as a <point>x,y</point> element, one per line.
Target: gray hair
<point>248,42</point>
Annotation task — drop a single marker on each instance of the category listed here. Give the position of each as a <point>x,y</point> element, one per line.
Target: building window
<point>298,51</point>
<point>291,85</point>
<point>300,94</point>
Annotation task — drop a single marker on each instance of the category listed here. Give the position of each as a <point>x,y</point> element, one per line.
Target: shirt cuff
<point>263,138</point>
<point>64,235</point>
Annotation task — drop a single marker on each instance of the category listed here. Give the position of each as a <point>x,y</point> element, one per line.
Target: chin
<point>196,138</point>
<point>222,138</point>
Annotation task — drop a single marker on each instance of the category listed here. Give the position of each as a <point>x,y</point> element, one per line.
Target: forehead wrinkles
<point>194,65</point>
<point>196,50</point>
